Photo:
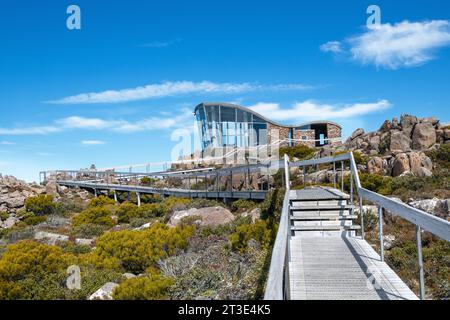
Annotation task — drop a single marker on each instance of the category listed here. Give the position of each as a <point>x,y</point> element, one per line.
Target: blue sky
<point>113,92</point>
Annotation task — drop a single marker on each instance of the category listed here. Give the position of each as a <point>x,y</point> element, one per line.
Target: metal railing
<point>278,281</point>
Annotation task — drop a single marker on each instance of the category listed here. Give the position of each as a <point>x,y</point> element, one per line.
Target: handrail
<point>275,281</point>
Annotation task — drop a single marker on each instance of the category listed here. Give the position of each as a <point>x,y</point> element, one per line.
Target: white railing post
<point>361,213</point>
<point>342,176</point>
<point>334,174</point>
<point>380,223</point>
<point>287,172</point>
<point>420,260</point>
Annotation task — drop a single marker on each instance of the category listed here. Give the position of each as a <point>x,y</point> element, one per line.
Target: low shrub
<point>34,220</point>
<point>150,287</point>
<point>101,202</point>
<point>138,250</point>
<point>128,211</point>
<point>94,215</point>
<point>301,152</point>
<point>3,215</point>
<point>28,267</point>
<point>40,205</point>
<point>88,230</point>
<point>259,231</point>
<point>372,182</point>
<point>243,205</point>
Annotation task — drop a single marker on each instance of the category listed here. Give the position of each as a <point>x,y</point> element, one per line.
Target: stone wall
<point>283,133</point>
<point>309,134</point>
<point>334,132</point>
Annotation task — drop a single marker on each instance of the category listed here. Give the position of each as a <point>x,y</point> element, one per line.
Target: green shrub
<point>138,250</point>
<point>173,203</point>
<point>243,205</point>
<point>70,206</point>
<point>259,231</point>
<point>40,205</point>
<point>301,152</point>
<point>34,220</point>
<point>147,181</point>
<point>151,287</point>
<point>3,215</point>
<point>385,144</point>
<point>373,182</point>
<point>441,155</point>
<point>29,266</point>
<point>88,230</point>
<point>370,220</point>
<point>101,202</point>
<point>128,211</point>
<point>204,203</point>
<point>94,215</point>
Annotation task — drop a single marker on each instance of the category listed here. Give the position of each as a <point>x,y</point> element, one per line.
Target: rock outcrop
<point>105,292</point>
<point>211,217</point>
<point>398,148</point>
<point>14,192</point>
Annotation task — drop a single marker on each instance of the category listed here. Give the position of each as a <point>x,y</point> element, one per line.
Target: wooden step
<point>324,207</point>
<point>323,217</point>
<point>325,228</point>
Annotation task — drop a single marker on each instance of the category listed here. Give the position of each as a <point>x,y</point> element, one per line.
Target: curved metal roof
<point>230,105</point>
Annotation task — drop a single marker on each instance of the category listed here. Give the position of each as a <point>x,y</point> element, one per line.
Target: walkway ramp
<point>327,260</point>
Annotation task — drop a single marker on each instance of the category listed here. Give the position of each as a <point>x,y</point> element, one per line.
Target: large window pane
<point>227,114</point>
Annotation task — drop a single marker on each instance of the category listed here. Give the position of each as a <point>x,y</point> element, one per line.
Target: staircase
<point>321,211</point>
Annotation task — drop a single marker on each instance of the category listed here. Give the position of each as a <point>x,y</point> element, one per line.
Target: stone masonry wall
<point>334,132</point>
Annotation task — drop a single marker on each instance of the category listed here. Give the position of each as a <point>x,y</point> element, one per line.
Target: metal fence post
<point>287,172</point>
<point>334,174</point>
<point>342,176</point>
<point>361,213</point>
<point>380,223</point>
<point>351,186</point>
<point>420,260</point>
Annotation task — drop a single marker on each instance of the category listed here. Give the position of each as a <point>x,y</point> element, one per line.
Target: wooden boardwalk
<point>327,261</point>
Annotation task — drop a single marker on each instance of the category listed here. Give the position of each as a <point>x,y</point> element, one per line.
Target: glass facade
<point>224,126</point>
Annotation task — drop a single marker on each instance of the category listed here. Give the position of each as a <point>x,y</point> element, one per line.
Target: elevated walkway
<point>327,260</point>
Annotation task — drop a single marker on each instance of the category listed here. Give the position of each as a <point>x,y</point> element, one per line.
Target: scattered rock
<point>85,242</point>
<point>105,292</point>
<point>50,238</point>
<point>212,216</point>
<point>255,214</point>
<point>129,276</point>
<point>435,206</point>
<point>388,241</point>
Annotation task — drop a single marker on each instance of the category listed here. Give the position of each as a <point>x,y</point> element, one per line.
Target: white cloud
<point>45,154</point>
<point>29,130</point>
<point>6,143</point>
<point>160,44</point>
<point>310,110</point>
<point>92,142</point>
<point>400,45</point>
<point>123,126</point>
<point>167,89</point>
<point>331,46</point>
<point>76,122</point>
